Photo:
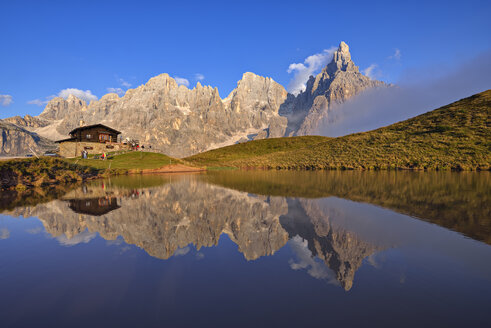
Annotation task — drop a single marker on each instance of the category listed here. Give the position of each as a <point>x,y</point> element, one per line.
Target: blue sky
<point>49,46</point>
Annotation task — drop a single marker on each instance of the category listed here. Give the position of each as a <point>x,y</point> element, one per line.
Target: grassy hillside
<point>244,151</point>
<point>128,161</point>
<point>456,136</point>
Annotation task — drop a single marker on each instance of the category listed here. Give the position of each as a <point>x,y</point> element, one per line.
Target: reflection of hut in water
<point>93,206</point>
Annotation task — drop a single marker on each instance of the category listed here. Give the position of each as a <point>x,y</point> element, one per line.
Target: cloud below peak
<point>370,71</point>
<point>310,66</point>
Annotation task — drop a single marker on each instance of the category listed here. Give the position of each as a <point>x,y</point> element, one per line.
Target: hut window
<point>103,137</point>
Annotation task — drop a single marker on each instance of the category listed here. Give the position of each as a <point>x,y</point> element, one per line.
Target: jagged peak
<point>72,97</point>
<point>162,80</point>
<point>341,60</point>
<point>110,96</point>
<point>249,76</point>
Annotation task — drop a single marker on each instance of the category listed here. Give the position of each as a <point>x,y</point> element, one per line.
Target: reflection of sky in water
<point>236,257</point>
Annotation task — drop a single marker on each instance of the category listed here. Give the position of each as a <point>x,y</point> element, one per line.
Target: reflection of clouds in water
<point>119,241</point>
<point>373,260</point>
<point>83,237</point>
<point>181,251</point>
<point>306,261</point>
<point>34,231</point>
<point>4,233</point>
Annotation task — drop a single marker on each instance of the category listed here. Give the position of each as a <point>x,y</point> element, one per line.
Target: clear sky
<point>49,46</point>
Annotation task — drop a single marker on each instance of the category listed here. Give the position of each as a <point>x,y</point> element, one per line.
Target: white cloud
<point>83,237</point>
<point>4,233</point>
<point>119,91</point>
<point>419,90</point>
<point>37,102</point>
<point>181,251</point>
<point>81,94</point>
<point>34,231</point>
<point>305,261</point>
<point>181,81</point>
<point>41,102</point>
<point>5,100</point>
<point>310,66</point>
<point>370,71</point>
<point>124,83</point>
<point>397,54</point>
<point>199,77</point>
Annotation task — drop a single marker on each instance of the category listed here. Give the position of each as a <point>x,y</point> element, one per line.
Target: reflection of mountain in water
<point>342,250</point>
<point>457,201</point>
<point>164,219</point>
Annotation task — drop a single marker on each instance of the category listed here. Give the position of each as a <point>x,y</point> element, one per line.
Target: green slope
<point>456,136</point>
<point>128,161</point>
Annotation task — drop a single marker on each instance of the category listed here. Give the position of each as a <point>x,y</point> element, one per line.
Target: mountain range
<point>180,121</point>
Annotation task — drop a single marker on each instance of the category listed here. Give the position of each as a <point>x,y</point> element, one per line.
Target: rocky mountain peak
<point>110,96</point>
<point>162,81</point>
<point>341,60</point>
<point>59,108</point>
<point>338,81</point>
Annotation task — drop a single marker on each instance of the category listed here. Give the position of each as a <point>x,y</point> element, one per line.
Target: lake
<point>250,249</point>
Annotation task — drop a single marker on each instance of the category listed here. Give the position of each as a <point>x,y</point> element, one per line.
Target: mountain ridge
<point>180,121</point>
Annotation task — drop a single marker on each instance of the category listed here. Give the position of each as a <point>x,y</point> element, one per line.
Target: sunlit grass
<point>456,136</point>
<point>128,161</point>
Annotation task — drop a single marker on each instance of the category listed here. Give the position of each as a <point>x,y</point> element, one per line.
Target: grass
<point>243,151</point>
<point>128,161</point>
<point>456,136</point>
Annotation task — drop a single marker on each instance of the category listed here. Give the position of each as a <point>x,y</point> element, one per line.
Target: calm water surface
<point>250,249</point>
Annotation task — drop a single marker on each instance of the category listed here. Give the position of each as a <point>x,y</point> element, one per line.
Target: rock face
<point>176,120</point>
<point>337,82</point>
<point>179,121</point>
<point>16,141</point>
<point>27,121</point>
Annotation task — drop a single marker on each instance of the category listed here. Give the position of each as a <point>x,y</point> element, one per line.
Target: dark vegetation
<point>39,172</point>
